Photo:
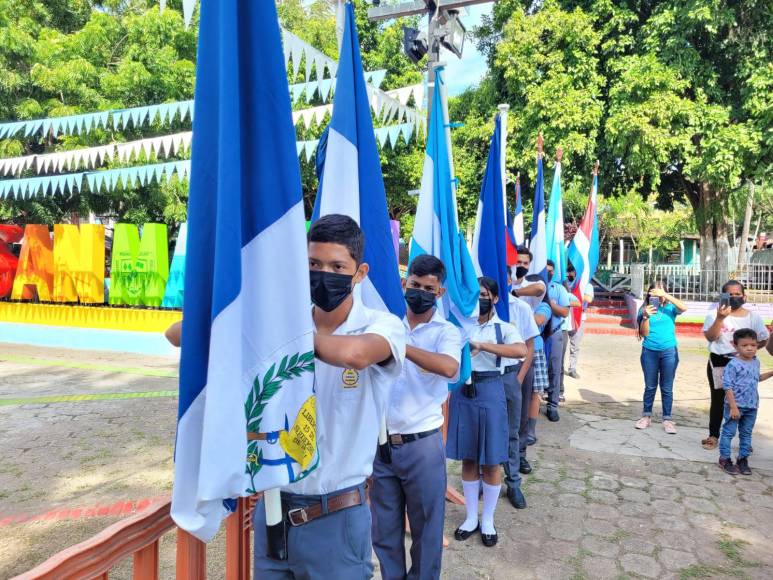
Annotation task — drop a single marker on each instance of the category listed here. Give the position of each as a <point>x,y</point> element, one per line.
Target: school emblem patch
<point>350,378</point>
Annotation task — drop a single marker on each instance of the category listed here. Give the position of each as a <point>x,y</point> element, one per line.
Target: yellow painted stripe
<point>82,398</point>
<point>102,317</point>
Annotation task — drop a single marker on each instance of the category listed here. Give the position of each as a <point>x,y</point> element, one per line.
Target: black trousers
<point>717,409</point>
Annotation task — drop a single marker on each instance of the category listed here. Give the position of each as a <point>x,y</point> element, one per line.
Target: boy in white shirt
<point>359,354</point>
<point>416,477</point>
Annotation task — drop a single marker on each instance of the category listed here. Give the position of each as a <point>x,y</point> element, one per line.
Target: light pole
<point>444,28</point>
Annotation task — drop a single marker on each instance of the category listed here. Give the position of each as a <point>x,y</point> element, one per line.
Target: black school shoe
<point>462,535</point>
<point>742,463</point>
<point>525,466</point>
<point>727,466</point>
<point>516,497</point>
<point>552,415</point>
<point>489,540</point>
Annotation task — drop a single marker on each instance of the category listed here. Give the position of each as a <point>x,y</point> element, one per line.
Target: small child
<point>740,380</point>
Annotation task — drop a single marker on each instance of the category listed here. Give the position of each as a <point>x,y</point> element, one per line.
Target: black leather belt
<point>399,438</point>
<point>481,375</point>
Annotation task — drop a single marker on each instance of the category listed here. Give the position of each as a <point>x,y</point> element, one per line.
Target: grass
<point>619,536</point>
<point>732,550</point>
<point>576,562</point>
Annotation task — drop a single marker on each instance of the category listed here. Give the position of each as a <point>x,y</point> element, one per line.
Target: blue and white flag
<point>489,250</point>
<point>537,243</point>
<point>517,227</point>
<point>436,227</point>
<point>554,231</point>
<point>247,343</point>
<point>351,181</point>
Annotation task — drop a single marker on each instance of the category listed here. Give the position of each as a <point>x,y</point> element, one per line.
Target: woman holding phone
<point>718,328</point>
<point>659,354</point>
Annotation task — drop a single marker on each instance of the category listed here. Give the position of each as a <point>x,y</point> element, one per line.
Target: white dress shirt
<point>532,301</point>
<point>486,332</point>
<point>522,317</point>
<point>416,404</point>
<point>350,405</point>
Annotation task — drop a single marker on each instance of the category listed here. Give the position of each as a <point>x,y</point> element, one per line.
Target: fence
<point>688,282</point>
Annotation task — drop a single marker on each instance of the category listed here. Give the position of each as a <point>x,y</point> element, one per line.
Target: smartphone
<point>654,302</point>
<point>724,299</point>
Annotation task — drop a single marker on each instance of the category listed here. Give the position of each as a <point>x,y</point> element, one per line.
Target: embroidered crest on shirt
<point>350,378</point>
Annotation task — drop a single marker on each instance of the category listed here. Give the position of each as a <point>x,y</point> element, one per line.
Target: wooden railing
<point>138,537</point>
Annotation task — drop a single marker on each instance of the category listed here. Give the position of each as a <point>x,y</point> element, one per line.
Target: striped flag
<point>351,182</point>
<point>537,243</point>
<point>517,227</point>
<point>436,227</point>
<point>583,250</point>
<point>247,342</point>
<point>554,231</point>
<point>489,251</point>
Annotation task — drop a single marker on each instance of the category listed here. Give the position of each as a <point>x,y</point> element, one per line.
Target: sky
<point>462,73</point>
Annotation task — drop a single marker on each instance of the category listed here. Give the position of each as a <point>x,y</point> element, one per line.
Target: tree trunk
<point>715,248</point>
<point>747,222</point>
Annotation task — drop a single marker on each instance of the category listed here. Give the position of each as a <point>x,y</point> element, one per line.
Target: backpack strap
<point>500,340</point>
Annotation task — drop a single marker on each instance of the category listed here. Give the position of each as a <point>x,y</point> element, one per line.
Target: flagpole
<point>503,109</point>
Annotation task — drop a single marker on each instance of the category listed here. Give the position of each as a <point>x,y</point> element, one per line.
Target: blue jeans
<point>659,366</point>
<point>744,425</point>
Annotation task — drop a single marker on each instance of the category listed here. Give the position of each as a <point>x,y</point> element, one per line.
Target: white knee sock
<point>471,490</point>
<point>490,498</point>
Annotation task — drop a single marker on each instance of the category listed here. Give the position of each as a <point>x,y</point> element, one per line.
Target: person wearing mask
<point>477,429</point>
<point>529,288</point>
<point>559,301</point>
<point>659,353</point>
<point>718,328</point>
<point>575,335</point>
<point>415,479</point>
<point>359,353</point>
<point>518,395</point>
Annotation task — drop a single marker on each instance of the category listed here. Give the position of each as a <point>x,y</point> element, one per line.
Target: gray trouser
<point>416,480</point>
<point>527,389</point>
<point>515,403</point>
<point>555,368</point>
<point>575,337</point>
<point>565,340</point>
<point>334,546</point>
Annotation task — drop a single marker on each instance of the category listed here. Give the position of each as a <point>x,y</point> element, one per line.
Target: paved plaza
<point>87,438</point>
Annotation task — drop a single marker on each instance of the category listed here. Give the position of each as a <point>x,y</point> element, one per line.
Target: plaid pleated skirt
<point>539,372</point>
<point>477,428</point>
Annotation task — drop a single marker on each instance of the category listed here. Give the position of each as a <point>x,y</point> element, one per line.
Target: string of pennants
<point>93,157</point>
<point>326,86</point>
<point>96,180</point>
<point>144,174</point>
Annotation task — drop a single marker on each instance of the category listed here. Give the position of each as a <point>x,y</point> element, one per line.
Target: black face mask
<point>328,289</point>
<point>419,301</point>
<point>570,277</point>
<point>736,302</point>
<point>520,272</point>
<point>484,305</point>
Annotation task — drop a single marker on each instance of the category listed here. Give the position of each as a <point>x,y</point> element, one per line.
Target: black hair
<point>524,250</point>
<point>570,268</point>
<point>729,283</point>
<point>657,283</point>
<point>489,284</point>
<point>551,263</point>
<point>744,333</point>
<point>339,229</point>
<point>427,265</point>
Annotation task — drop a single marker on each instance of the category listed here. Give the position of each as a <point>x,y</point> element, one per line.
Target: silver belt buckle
<point>396,439</point>
<point>303,514</point>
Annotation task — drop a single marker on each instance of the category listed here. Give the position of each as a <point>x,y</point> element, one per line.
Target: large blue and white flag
<point>537,242</point>
<point>351,181</point>
<point>247,343</point>
<point>436,226</point>
<point>489,250</point>
<point>554,231</point>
